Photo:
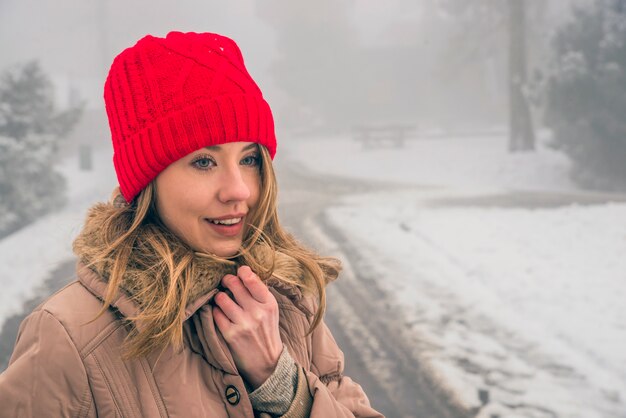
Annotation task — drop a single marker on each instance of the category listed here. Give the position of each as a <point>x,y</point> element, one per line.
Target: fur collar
<point>287,276</point>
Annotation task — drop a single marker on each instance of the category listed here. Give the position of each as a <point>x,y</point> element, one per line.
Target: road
<point>367,326</point>
<point>364,320</point>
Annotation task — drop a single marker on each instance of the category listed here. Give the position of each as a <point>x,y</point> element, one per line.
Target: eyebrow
<point>218,148</point>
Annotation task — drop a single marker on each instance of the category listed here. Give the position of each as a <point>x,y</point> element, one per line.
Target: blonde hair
<point>125,230</point>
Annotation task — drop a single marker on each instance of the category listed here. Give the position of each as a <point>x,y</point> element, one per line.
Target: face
<point>218,184</point>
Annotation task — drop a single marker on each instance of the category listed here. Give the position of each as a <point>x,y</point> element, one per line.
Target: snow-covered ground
<point>467,162</point>
<point>523,303</point>
<point>29,255</point>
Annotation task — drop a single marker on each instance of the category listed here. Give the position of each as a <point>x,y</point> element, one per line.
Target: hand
<point>249,324</point>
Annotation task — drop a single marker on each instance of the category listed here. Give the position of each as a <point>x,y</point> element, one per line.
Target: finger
<point>253,283</point>
<point>240,292</point>
<point>221,320</point>
<point>233,312</point>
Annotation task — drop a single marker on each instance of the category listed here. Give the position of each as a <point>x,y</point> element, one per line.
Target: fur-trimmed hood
<point>287,275</point>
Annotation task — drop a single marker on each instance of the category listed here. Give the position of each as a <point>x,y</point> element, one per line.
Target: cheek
<point>254,185</point>
<point>174,203</point>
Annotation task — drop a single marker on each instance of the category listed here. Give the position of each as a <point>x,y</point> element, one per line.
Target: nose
<point>233,186</point>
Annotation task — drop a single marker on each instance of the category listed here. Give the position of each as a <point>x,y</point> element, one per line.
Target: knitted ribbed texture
<point>167,97</point>
<point>303,400</point>
<point>277,392</point>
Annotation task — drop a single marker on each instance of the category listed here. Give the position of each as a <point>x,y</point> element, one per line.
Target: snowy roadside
<point>29,255</point>
<point>523,305</point>
<point>469,163</point>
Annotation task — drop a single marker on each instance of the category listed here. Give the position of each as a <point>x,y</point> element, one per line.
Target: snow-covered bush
<point>30,129</point>
<point>586,94</point>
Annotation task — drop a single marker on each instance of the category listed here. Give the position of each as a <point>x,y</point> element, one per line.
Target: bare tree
<point>483,27</point>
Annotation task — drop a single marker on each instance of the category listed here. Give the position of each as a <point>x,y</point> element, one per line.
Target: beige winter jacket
<point>65,366</point>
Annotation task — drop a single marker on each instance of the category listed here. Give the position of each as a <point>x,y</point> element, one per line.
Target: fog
<point>76,41</point>
<point>464,160</point>
<point>419,62</point>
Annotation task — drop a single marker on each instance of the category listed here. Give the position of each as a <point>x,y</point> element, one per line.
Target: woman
<point>190,299</point>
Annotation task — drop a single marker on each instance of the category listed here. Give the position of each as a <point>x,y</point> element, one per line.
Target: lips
<point>226,221</point>
<point>226,230</point>
<point>231,216</point>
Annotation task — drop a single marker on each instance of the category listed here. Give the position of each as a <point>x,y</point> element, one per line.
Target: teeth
<point>226,221</point>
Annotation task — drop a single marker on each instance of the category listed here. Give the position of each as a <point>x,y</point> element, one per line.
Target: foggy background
<point>327,65</point>
<point>464,159</point>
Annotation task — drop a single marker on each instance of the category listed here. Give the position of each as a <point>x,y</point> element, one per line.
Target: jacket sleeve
<point>45,376</point>
<point>334,395</point>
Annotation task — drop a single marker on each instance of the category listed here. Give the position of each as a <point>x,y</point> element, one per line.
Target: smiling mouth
<point>227,228</point>
<point>226,222</point>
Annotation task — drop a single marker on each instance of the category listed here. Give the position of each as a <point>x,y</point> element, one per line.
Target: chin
<point>224,252</point>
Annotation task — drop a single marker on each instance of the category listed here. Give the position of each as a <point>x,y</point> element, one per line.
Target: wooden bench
<point>379,136</point>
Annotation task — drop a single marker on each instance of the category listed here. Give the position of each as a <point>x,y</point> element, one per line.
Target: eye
<point>203,162</point>
<point>251,160</point>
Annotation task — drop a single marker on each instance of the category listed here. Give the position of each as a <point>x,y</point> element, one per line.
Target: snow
<point>462,162</point>
<point>504,292</point>
<point>30,254</point>
<point>509,285</point>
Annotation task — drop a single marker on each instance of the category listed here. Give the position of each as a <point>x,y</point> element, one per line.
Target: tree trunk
<point>521,134</point>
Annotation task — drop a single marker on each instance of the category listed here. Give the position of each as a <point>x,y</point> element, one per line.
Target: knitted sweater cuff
<point>277,392</point>
<point>303,401</point>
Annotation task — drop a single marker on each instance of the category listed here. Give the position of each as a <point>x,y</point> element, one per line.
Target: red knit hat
<point>167,97</point>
